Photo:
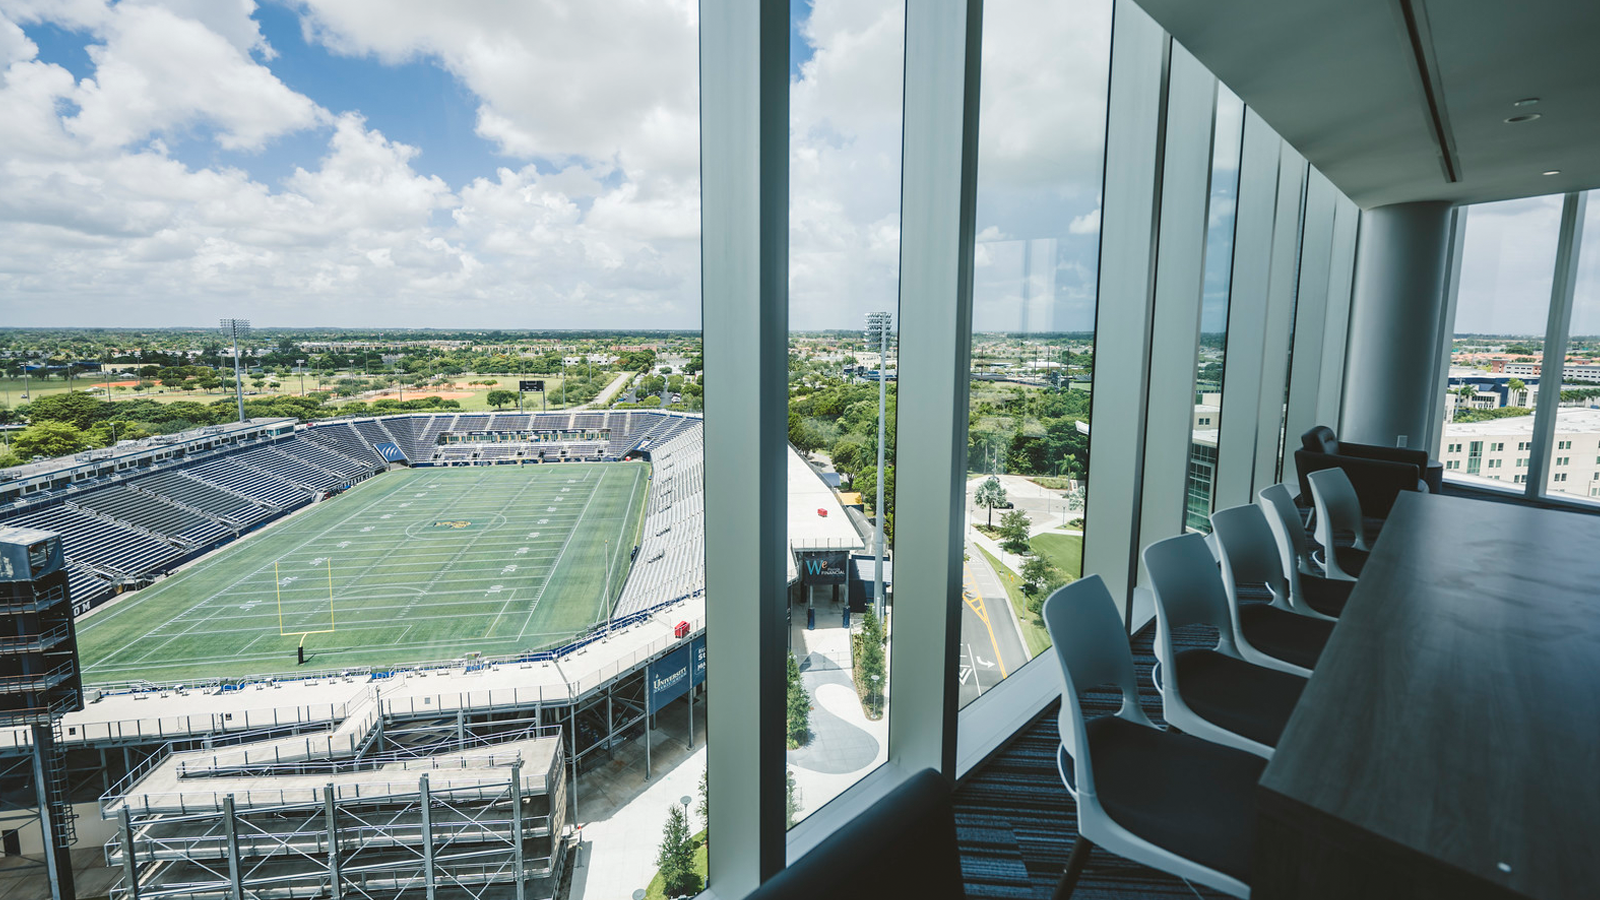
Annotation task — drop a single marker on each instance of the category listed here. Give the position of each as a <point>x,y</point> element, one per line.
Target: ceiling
<point>1387,98</point>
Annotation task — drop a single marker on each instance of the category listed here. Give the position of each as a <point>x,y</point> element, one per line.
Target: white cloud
<point>14,45</point>
<point>158,71</point>
<point>592,220</point>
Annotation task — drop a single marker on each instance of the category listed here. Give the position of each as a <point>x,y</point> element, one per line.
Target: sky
<point>482,164</point>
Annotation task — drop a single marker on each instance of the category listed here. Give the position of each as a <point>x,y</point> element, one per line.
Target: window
<point>1041,147</point>
<point>1496,448</point>
<point>845,179</point>
<point>1576,417</point>
<point>1211,357</point>
<point>1453,448</point>
<point>1495,463</point>
<point>1452,464</point>
<point>1559,476</point>
<point>1520,479</point>
<point>1507,265</point>
<point>1562,460</point>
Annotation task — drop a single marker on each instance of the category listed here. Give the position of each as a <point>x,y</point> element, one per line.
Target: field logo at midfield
<point>457,523</point>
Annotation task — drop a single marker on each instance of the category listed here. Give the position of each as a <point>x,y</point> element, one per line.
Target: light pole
<point>878,327</point>
<point>232,327</point>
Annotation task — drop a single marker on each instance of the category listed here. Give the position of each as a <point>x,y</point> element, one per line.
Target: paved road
<point>991,647</point>
<point>611,391</point>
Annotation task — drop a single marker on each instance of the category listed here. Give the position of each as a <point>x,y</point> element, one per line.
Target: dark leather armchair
<point>1379,474</point>
<point>904,846</point>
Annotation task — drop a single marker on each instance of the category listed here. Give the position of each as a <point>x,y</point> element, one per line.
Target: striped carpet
<point>1015,821</point>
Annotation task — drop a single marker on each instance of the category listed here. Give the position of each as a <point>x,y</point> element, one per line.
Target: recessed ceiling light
<point>1526,101</point>
<point>1525,117</point>
<point>1553,172</point>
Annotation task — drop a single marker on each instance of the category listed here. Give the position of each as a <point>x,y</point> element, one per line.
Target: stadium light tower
<point>232,327</point>
<point>879,324</point>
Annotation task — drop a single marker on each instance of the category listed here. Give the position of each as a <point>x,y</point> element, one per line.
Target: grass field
<point>421,564</point>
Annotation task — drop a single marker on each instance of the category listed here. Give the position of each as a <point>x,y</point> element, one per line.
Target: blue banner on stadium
<point>669,678</point>
<point>698,653</point>
<point>390,452</point>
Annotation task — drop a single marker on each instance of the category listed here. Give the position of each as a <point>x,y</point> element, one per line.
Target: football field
<point>411,566</point>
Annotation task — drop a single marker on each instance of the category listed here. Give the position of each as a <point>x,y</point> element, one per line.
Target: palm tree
<point>989,495</point>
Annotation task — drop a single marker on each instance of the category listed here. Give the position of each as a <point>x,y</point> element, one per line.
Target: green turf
<point>425,564</point>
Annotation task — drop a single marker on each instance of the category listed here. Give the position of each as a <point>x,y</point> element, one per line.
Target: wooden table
<point>1448,744</point>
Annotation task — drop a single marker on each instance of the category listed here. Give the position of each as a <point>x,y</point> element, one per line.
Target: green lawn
<point>1064,551</point>
<point>421,564</point>
<point>1033,631</point>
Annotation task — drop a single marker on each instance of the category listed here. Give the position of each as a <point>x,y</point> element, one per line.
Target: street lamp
<point>879,324</point>
<point>233,327</point>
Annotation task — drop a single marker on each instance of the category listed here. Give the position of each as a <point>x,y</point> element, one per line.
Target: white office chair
<point>1339,512</point>
<point>1308,588</point>
<point>1167,800</point>
<point>1269,634</point>
<point>1211,693</point>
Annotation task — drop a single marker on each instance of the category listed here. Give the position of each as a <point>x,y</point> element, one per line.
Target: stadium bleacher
<point>101,542</point>
<point>155,514</point>
<point>344,439</point>
<point>252,482</point>
<point>179,487</point>
<point>314,454</point>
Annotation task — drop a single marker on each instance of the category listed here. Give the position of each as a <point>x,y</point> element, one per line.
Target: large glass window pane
<point>460,531</point>
<point>1212,356</point>
<point>1574,469</point>
<point>1507,264</point>
<point>843,294</point>
<point>1041,147</point>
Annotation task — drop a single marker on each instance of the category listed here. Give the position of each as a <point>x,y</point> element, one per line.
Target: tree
<point>1038,579</point>
<point>703,807</point>
<point>791,800</point>
<point>49,439</point>
<point>799,707</point>
<point>75,408</point>
<point>990,495</point>
<point>9,459</point>
<point>498,399</point>
<point>1014,531</point>
<point>675,859</point>
<point>868,665</point>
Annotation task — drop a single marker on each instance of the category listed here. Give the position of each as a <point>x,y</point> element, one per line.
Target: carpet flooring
<point>1015,821</point>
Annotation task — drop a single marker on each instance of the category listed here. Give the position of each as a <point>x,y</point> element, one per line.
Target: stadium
<point>285,630</point>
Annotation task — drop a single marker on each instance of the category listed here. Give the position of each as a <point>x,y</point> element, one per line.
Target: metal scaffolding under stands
<point>451,815</point>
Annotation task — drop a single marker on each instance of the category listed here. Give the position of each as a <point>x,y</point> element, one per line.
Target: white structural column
<point>938,201</point>
<point>1554,363</point>
<point>1336,317</point>
<point>1130,205</point>
<point>1254,252</point>
<point>1180,281</point>
<point>744,185</point>
<point>1311,318</point>
<point>1447,320</point>
<point>1288,253</point>
<point>1394,324</point>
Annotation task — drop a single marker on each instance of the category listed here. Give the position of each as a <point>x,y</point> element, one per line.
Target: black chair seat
<point>1325,595</point>
<point>1189,796</point>
<point>1248,700</point>
<point>1284,635</point>
<point>1351,560</point>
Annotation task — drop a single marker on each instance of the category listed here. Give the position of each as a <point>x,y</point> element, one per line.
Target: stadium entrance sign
<point>671,676</point>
